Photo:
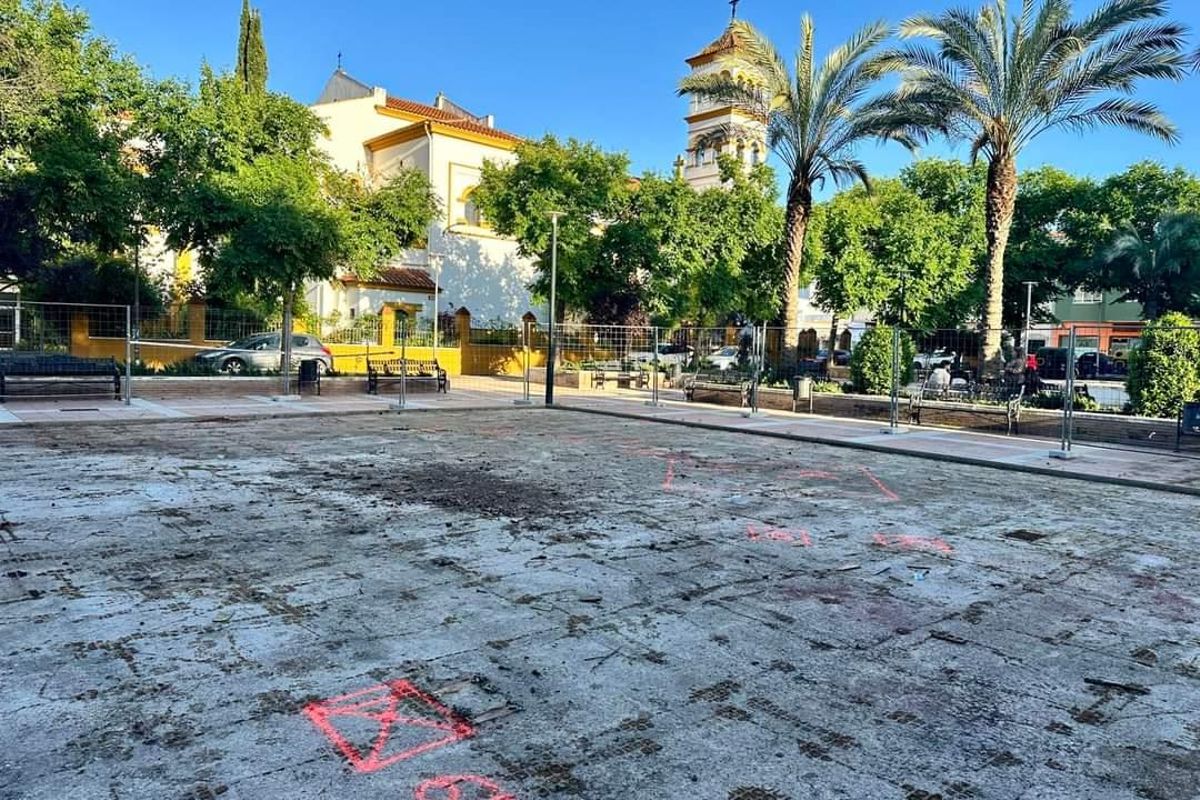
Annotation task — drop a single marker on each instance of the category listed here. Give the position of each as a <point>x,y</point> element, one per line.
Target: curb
<point>1134,483</point>
<point>362,412</point>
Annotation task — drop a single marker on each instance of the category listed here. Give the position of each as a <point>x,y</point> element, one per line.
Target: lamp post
<point>551,355</point>
<point>1028,314</point>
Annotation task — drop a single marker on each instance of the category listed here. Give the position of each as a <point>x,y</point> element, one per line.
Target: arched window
<point>755,155</point>
<point>471,215</point>
<point>741,152</point>
<point>698,156</point>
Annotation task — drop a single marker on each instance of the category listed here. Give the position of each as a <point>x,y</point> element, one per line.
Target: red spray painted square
<point>374,728</point>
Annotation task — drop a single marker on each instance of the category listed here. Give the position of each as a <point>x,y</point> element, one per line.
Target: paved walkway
<point>142,409</point>
<point>1154,469</point>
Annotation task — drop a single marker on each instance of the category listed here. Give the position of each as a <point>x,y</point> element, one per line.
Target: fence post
<point>894,404</point>
<point>404,362</point>
<point>654,386</point>
<point>128,358</point>
<point>526,330</point>
<point>1068,421</point>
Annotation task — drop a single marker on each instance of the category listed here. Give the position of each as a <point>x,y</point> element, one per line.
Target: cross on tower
<point>734,5</point>
<point>339,59</point>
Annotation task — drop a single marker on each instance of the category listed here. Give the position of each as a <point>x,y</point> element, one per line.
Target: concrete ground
<point>537,603</point>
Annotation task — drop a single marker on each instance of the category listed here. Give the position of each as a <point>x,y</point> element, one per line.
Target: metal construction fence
<point>1119,384</point>
<point>1061,383</point>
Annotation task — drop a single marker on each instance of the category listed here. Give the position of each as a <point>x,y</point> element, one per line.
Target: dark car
<point>1052,363</point>
<point>1099,365</point>
<point>816,365</point>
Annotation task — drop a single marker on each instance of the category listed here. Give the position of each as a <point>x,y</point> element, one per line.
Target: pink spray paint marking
<point>888,493</point>
<point>670,478</point>
<point>460,787</point>
<point>756,534</point>
<point>929,544</point>
<point>435,724</point>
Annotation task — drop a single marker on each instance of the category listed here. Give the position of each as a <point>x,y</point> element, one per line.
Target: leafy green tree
<point>1164,370</point>
<point>1161,272</point>
<point>381,221</point>
<point>872,361</point>
<point>815,117</point>
<point>999,82</point>
<point>252,51</point>
<point>888,252</point>
<point>635,251</point>
<point>69,105</point>
<point>280,231</point>
<point>1142,194</point>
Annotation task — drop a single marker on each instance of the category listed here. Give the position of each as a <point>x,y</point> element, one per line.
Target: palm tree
<point>1163,274</point>
<point>814,118</point>
<point>999,83</point>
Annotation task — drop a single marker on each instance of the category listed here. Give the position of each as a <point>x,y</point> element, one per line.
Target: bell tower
<point>713,128</point>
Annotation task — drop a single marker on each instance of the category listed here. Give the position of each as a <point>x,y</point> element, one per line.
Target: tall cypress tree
<point>252,52</point>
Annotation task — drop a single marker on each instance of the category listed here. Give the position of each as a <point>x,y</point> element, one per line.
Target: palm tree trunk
<point>1001,202</point>
<point>799,209</point>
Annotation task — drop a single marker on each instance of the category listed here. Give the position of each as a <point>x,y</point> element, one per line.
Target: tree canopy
<point>646,249</point>
<point>890,252</point>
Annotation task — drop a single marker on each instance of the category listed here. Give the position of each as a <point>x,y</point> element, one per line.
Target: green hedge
<point>871,361</point>
<point>1164,370</point>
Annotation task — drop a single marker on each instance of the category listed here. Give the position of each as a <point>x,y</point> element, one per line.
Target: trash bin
<point>1189,423</point>
<point>310,375</point>
<point>802,392</point>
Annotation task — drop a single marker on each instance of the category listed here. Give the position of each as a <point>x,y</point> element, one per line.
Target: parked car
<point>1099,365</point>
<point>1052,363</point>
<point>817,364</point>
<point>934,359</point>
<point>261,352</point>
<point>668,353</point>
<point>723,357</point>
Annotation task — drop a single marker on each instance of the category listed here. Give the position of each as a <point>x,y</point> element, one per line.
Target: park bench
<point>1009,393</point>
<point>719,381</point>
<point>1189,423</point>
<point>55,375</point>
<point>393,370</point>
<point>625,374</point>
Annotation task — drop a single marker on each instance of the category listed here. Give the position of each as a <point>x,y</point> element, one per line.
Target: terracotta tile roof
<point>446,118</point>
<point>728,40</point>
<point>397,278</point>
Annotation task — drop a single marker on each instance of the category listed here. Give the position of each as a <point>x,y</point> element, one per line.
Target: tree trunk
<point>1001,201</point>
<point>285,341</point>
<point>799,209</point>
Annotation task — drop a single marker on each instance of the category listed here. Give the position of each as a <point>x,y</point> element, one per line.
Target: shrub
<point>827,387</point>
<point>871,361</point>
<point>1164,371</point>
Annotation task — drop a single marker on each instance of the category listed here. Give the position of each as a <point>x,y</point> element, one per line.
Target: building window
<point>1087,297</point>
<point>698,156</point>
<point>755,155</point>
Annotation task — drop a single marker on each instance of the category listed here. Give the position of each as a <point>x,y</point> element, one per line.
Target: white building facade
<point>374,135</point>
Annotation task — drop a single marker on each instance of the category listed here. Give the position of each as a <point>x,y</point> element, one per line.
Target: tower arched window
<point>755,155</point>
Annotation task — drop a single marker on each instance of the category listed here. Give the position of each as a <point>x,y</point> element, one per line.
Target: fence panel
<point>53,350</point>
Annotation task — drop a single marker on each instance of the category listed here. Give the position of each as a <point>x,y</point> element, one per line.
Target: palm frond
<point>716,88</point>
<point>1123,112</point>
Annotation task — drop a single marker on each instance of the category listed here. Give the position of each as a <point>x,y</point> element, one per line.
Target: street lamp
<point>1028,314</point>
<point>554,215</point>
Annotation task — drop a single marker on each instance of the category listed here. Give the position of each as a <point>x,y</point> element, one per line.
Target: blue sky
<point>603,71</point>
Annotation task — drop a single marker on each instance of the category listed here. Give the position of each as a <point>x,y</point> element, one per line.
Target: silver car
<point>261,352</point>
